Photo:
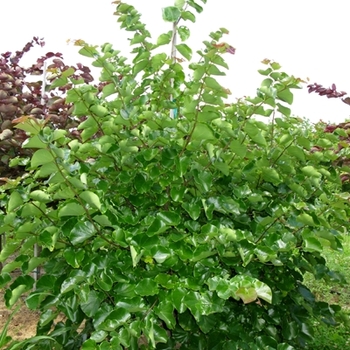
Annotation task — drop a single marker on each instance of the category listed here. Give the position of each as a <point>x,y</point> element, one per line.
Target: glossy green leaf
<point>81,231</point>
<point>116,318</point>
<point>193,208</point>
<point>89,344</point>
<point>169,218</point>
<point>71,282</point>
<point>74,257</point>
<point>165,311</point>
<point>146,287</point>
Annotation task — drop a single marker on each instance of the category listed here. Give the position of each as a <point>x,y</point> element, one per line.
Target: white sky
<point>309,38</point>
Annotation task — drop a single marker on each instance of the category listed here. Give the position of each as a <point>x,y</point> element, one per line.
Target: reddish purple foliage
<point>21,96</point>
<point>322,91</point>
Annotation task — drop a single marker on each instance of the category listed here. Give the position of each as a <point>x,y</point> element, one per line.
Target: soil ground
<point>23,324</point>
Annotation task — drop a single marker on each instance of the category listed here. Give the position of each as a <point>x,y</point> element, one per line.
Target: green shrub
<point>158,232</point>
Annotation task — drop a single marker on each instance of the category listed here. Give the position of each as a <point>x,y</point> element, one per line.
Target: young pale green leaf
<point>285,95</point>
<point>283,109</point>
<point>34,142</point>
<point>88,51</point>
<point>297,152</point>
<point>108,90</point>
<point>33,263</point>
<point>179,4</point>
<point>306,219</point>
<point>40,196</point>
<point>164,39</point>
<point>213,70</point>
<point>238,148</point>
<point>184,32</point>
<point>15,201</point>
<point>21,285</point>
<point>185,51</point>
<point>71,209</point>
<point>218,60</point>
<point>188,15</point>
<point>40,157</point>
<point>259,139</point>
<point>68,72</point>
<point>247,294</point>
<point>203,132</point>
<point>91,198</point>
<point>263,291</point>
<point>212,84</point>
<point>197,7</point>
<point>171,14</point>
<point>102,220</point>
<point>311,171</point>
<point>58,82</point>
<point>99,111</point>
<point>135,257</point>
<point>270,175</point>
<point>140,66</point>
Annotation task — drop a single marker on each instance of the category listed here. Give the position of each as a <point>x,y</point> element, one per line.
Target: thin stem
<point>173,59</point>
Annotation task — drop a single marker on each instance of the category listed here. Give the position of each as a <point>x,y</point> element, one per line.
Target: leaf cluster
<point>191,232</point>
<point>30,93</point>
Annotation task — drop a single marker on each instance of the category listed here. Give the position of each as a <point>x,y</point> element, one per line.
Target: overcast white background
<point>309,38</point>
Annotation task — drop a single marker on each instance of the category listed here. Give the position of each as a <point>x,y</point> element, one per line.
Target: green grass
<point>333,337</point>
